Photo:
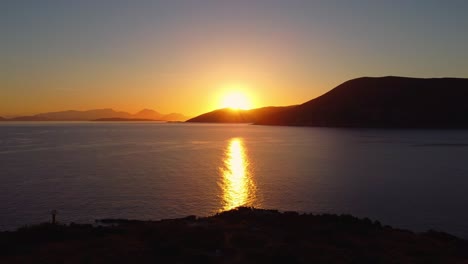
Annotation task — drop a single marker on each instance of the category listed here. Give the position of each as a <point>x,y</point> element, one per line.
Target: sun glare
<point>236,100</point>
<point>237,182</point>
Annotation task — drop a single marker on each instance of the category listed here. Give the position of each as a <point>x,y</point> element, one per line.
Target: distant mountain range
<point>96,114</point>
<point>117,119</point>
<point>385,102</point>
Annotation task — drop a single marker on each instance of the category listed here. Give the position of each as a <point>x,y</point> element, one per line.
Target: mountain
<point>387,102</point>
<point>73,115</point>
<point>227,115</point>
<point>383,102</point>
<point>151,114</point>
<point>2,119</point>
<point>148,114</point>
<point>99,114</point>
<point>117,119</point>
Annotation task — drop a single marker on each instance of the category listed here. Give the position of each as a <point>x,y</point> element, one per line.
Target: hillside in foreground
<point>242,235</point>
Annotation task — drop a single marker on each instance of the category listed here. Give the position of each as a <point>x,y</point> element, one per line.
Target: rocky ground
<point>242,235</point>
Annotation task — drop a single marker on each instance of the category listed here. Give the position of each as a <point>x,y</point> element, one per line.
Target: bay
<point>412,179</point>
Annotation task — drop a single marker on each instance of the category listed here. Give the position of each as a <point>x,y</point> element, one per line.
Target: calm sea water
<point>414,179</point>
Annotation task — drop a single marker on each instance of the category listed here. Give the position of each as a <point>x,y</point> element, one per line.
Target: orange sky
<point>182,56</point>
<point>132,88</point>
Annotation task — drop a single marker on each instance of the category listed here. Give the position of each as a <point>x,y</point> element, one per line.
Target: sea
<point>408,179</point>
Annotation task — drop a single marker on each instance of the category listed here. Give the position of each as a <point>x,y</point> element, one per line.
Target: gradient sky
<point>181,56</point>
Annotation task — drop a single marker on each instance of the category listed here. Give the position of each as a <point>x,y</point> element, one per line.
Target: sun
<point>236,100</point>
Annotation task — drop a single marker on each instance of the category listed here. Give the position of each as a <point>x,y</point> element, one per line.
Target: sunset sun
<point>236,100</point>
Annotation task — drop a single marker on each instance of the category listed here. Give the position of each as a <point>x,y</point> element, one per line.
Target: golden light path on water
<point>238,187</point>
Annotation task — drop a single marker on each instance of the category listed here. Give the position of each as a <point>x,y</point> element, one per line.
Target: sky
<point>183,56</point>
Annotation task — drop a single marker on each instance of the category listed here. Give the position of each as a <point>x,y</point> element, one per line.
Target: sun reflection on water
<point>237,185</point>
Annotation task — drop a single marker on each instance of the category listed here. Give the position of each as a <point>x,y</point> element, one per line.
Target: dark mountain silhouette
<point>387,102</point>
<point>2,119</point>
<point>228,115</point>
<point>95,114</point>
<point>384,102</point>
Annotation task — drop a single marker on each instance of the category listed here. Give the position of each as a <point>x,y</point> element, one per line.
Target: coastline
<point>241,235</point>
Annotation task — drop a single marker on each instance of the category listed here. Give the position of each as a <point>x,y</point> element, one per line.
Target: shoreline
<point>237,236</point>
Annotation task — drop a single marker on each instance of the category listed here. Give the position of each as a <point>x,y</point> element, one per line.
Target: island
<point>372,102</point>
<point>106,114</point>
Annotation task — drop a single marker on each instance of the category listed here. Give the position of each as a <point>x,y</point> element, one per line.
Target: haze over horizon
<point>184,56</point>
